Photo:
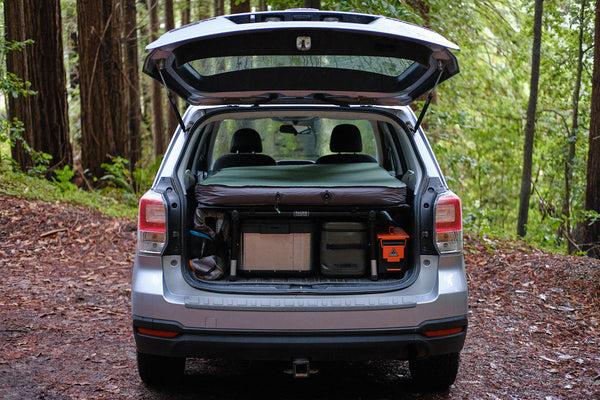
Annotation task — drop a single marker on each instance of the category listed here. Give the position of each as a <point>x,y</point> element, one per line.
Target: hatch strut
<point>160,68</point>
<point>429,98</point>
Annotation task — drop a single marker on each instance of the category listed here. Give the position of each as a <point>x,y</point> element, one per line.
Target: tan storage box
<point>277,247</point>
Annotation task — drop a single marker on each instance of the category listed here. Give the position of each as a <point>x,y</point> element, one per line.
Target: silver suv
<point>299,213</point>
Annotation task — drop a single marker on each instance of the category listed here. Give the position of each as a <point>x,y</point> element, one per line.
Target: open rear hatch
<point>284,235</point>
<point>301,56</point>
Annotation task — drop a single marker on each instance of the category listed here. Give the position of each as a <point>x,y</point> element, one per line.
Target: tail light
<point>152,224</point>
<point>448,224</point>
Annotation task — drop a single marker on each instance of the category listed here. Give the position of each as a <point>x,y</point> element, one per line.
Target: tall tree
<point>103,113</point>
<point>565,228</point>
<point>219,6</point>
<point>44,116</point>
<point>158,119</point>
<point>133,83</point>
<point>422,8</point>
<point>592,193</point>
<point>186,12</point>
<point>530,124</point>
<point>172,121</point>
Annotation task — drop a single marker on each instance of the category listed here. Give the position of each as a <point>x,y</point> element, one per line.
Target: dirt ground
<point>65,330</point>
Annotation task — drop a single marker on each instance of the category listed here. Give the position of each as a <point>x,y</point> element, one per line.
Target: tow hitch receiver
<point>301,368</point>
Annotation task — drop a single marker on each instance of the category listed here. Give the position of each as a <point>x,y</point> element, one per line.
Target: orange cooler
<point>392,245</point>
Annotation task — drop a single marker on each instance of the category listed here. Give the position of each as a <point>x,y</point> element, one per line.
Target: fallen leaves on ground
<point>65,322</point>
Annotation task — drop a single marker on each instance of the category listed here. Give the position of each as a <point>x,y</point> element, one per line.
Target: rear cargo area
<point>303,246</point>
<point>292,198</point>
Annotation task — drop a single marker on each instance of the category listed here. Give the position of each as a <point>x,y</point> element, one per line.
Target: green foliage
<point>10,84</point>
<point>109,202</point>
<point>590,216</point>
<point>144,176</point>
<point>126,184</point>
<point>10,130</point>
<point>63,178</point>
<point>10,133</point>
<point>118,174</point>
<point>475,127</point>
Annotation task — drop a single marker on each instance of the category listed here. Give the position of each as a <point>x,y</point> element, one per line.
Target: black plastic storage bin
<point>344,249</point>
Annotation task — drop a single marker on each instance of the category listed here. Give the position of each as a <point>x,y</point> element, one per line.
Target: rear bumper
<point>317,345</point>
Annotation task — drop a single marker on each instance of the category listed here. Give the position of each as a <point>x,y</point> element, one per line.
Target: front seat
<point>345,138</point>
<point>245,145</point>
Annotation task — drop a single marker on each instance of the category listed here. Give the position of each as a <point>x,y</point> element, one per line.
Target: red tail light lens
<point>152,224</point>
<point>157,333</point>
<point>448,224</point>
<point>444,332</point>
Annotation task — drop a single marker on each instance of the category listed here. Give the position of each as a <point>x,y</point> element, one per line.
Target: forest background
<point>77,111</point>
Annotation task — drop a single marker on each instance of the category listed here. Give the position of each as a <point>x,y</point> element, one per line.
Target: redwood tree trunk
<point>103,113</point>
<point>44,115</point>
<point>158,119</point>
<point>133,84</point>
<point>592,193</point>
<point>565,228</point>
<point>530,124</point>
<point>219,6</point>
<point>172,122</point>
<point>186,12</point>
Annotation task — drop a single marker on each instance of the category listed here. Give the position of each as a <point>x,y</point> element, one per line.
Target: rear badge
<point>303,43</point>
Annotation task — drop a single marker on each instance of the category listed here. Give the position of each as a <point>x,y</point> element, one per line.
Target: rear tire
<point>436,373</point>
<point>159,370</point>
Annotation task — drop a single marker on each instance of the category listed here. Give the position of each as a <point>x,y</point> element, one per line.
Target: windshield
<point>293,139</point>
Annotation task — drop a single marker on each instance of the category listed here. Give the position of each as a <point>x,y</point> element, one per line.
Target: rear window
<point>380,65</point>
<point>297,139</point>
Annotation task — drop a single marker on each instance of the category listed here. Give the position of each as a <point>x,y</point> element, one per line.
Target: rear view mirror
<point>295,129</point>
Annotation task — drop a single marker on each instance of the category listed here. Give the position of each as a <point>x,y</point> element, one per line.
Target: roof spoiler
<point>161,67</point>
<point>429,98</point>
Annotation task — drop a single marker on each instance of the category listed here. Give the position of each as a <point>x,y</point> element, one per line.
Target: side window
<point>392,156</point>
<point>225,133</point>
<point>368,138</point>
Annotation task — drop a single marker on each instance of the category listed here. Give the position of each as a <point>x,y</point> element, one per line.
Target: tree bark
<point>133,83</point>
<point>422,8</point>
<point>311,4</point>
<point>530,124</point>
<point>219,7</point>
<point>565,228</point>
<point>158,119</point>
<point>592,192</point>
<point>172,122</point>
<point>103,113</point>
<point>186,12</point>
<point>44,115</point>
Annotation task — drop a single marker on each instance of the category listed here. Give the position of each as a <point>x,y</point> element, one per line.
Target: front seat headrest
<point>246,140</point>
<point>345,138</point>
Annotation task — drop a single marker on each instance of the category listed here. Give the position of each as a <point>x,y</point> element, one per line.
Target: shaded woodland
<point>516,132</point>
